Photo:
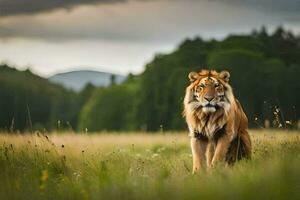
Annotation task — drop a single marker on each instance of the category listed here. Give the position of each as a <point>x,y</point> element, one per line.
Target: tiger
<point>217,124</point>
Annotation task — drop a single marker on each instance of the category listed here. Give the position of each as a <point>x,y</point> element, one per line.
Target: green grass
<point>142,166</point>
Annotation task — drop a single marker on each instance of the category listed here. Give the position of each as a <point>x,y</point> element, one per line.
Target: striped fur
<point>210,106</point>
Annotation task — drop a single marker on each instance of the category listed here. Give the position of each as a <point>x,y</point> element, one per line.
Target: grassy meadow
<point>142,166</point>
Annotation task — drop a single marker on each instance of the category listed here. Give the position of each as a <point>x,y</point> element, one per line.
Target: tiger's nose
<point>208,98</point>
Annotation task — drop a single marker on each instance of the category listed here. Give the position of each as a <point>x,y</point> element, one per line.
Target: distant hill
<point>76,80</point>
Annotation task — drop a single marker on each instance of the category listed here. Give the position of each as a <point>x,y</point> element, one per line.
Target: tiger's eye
<point>217,85</point>
<point>202,85</point>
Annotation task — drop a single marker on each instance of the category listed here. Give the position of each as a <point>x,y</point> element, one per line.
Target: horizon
<point>69,69</point>
<point>106,35</point>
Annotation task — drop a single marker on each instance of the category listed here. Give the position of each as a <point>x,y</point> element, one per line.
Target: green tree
<point>110,108</point>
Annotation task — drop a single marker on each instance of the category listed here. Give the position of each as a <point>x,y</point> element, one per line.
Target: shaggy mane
<point>207,124</point>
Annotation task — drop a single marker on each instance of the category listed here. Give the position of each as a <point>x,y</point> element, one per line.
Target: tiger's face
<point>209,89</point>
<point>209,92</point>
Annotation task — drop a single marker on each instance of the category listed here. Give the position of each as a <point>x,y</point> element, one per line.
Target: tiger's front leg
<point>198,150</point>
<point>209,154</point>
<point>222,146</point>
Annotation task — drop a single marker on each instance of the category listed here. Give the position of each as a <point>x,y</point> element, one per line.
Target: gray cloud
<point>139,21</point>
<point>160,21</point>
<point>123,34</point>
<point>289,9</point>
<point>17,7</point>
<point>271,5</point>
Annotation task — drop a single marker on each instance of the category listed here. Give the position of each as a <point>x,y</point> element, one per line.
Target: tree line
<point>29,102</point>
<point>264,75</point>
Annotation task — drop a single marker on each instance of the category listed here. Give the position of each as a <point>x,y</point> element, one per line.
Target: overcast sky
<point>121,36</point>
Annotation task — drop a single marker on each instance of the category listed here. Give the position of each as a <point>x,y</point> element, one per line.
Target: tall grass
<point>142,166</point>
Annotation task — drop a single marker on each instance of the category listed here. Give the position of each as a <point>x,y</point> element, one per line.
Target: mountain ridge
<point>77,79</point>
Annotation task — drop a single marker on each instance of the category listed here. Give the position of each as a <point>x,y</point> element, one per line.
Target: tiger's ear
<point>224,75</point>
<point>193,76</point>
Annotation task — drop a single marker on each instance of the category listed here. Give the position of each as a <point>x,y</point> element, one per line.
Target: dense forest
<point>264,69</point>
<point>29,102</point>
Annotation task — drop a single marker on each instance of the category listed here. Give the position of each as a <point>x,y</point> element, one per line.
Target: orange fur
<point>218,125</point>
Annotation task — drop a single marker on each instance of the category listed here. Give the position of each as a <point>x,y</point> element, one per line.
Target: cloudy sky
<point>120,36</point>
